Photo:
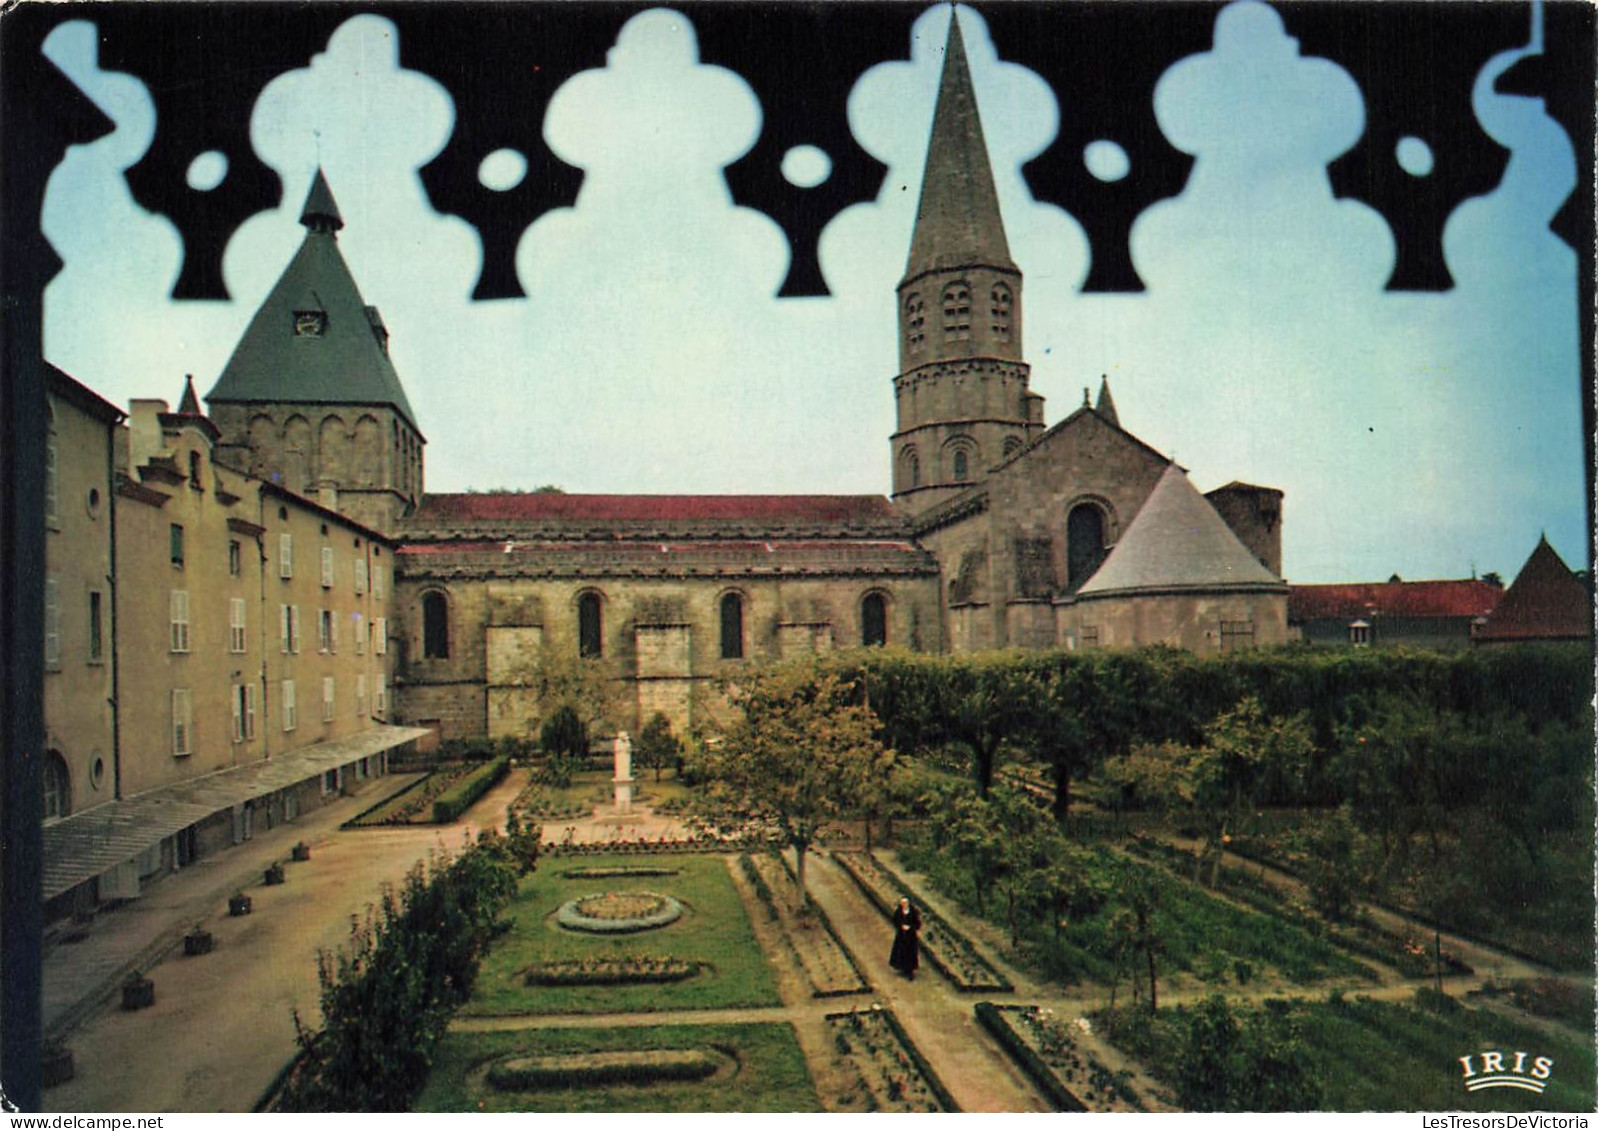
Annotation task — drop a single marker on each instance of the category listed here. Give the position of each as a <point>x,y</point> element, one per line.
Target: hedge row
<point>570,1072</point>
<point>1026,1058</point>
<point>459,797</point>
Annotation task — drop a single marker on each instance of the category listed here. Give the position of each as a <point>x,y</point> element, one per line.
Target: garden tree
<point>800,760</point>
<point>1026,842</point>
<point>1133,930</point>
<point>1332,867</point>
<point>963,823</point>
<point>985,702</point>
<point>1224,776</point>
<point>564,738</point>
<point>560,680</point>
<point>657,747</point>
<point>1254,1060</point>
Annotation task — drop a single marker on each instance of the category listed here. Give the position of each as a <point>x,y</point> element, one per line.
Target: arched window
<point>435,626</point>
<point>1001,302</point>
<point>590,627</point>
<point>57,787</point>
<point>1012,444</point>
<point>909,469</point>
<point>1084,535</point>
<point>962,465</point>
<point>956,312</point>
<point>732,627</point>
<point>915,321</point>
<point>873,620</point>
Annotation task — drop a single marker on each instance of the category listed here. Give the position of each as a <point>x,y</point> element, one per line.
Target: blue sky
<point>1422,434</point>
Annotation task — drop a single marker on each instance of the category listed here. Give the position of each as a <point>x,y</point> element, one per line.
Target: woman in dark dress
<point>906,953</point>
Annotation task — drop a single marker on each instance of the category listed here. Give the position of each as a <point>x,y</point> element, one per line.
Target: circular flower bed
<point>619,873</point>
<point>618,912</point>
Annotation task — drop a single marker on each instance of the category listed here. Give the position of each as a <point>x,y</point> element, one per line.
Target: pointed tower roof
<point>1178,541</point>
<point>314,340</point>
<point>957,222</point>
<point>321,210</point>
<point>1546,602</point>
<point>1106,406</point>
<point>189,403</point>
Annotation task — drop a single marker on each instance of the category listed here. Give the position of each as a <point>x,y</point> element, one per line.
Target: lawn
<point>1210,939</point>
<point>770,1071</point>
<point>1385,1056</point>
<point>714,930</point>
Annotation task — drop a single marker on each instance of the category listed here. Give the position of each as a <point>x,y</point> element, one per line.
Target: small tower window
<point>1012,444</point>
<point>435,626</point>
<point>957,312</point>
<point>590,627</point>
<point>999,312</point>
<point>732,627</point>
<point>873,620</point>
<point>310,323</point>
<point>962,465</point>
<point>915,321</point>
<point>194,471</point>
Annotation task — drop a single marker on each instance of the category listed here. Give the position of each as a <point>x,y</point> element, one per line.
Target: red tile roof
<point>1469,598</point>
<point>805,509</point>
<point>1546,602</point>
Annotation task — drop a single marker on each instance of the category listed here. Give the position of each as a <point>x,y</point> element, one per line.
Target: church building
<point>999,531</point>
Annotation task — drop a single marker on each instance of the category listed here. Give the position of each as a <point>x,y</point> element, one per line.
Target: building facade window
<point>324,630</point>
<point>435,626</point>
<point>1088,636</point>
<point>235,625</point>
<point>732,627</point>
<point>957,312</point>
<point>962,465</point>
<point>327,567</point>
<point>873,620</point>
<point>180,620</point>
<point>327,698</point>
<point>380,696</point>
<point>175,538</point>
<point>57,787</point>
<point>360,695</point>
<point>377,582</point>
<point>96,626</point>
<point>1001,303</point>
<point>1237,635</point>
<point>915,321</point>
<point>194,472</point>
<point>360,635</point>
<point>285,556</point>
<point>235,557</point>
<point>182,722</point>
<point>291,710</point>
<point>243,700</point>
<point>380,636</point>
<point>360,576</point>
<point>52,622</point>
<point>1084,541</point>
<point>590,627</point>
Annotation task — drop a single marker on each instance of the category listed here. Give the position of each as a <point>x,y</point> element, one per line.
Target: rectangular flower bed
<point>946,949</point>
<point>829,967</point>
<point>1049,1050</point>
<point>892,1069</point>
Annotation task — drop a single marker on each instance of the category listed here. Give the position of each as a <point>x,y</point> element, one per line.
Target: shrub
<point>596,1070</point>
<point>459,797</point>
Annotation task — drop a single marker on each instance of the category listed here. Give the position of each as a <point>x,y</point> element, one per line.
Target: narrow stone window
<point>962,465</point>
<point>732,627</point>
<point>590,627</point>
<point>957,312</point>
<point>435,626</point>
<point>1000,305</point>
<point>873,620</point>
<point>1084,534</point>
<point>915,322</point>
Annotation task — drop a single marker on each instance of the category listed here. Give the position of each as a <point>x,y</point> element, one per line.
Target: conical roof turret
<point>321,213</point>
<point>958,223</point>
<point>314,340</point>
<point>1177,541</point>
<point>1106,406</point>
<point>189,403</point>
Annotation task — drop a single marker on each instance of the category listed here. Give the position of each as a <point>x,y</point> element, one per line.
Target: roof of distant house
<point>1545,602</point>
<point>845,510</point>
<point>1360,600</point>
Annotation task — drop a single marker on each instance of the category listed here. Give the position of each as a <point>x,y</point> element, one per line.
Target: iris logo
<point>1493,1073</point>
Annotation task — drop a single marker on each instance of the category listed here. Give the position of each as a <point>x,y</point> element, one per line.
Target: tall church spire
<point>321,213</point>
<point>962,393</point>
<point>958,223</point>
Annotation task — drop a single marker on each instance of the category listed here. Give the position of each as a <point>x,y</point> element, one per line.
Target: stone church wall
<point>1205,623</point>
